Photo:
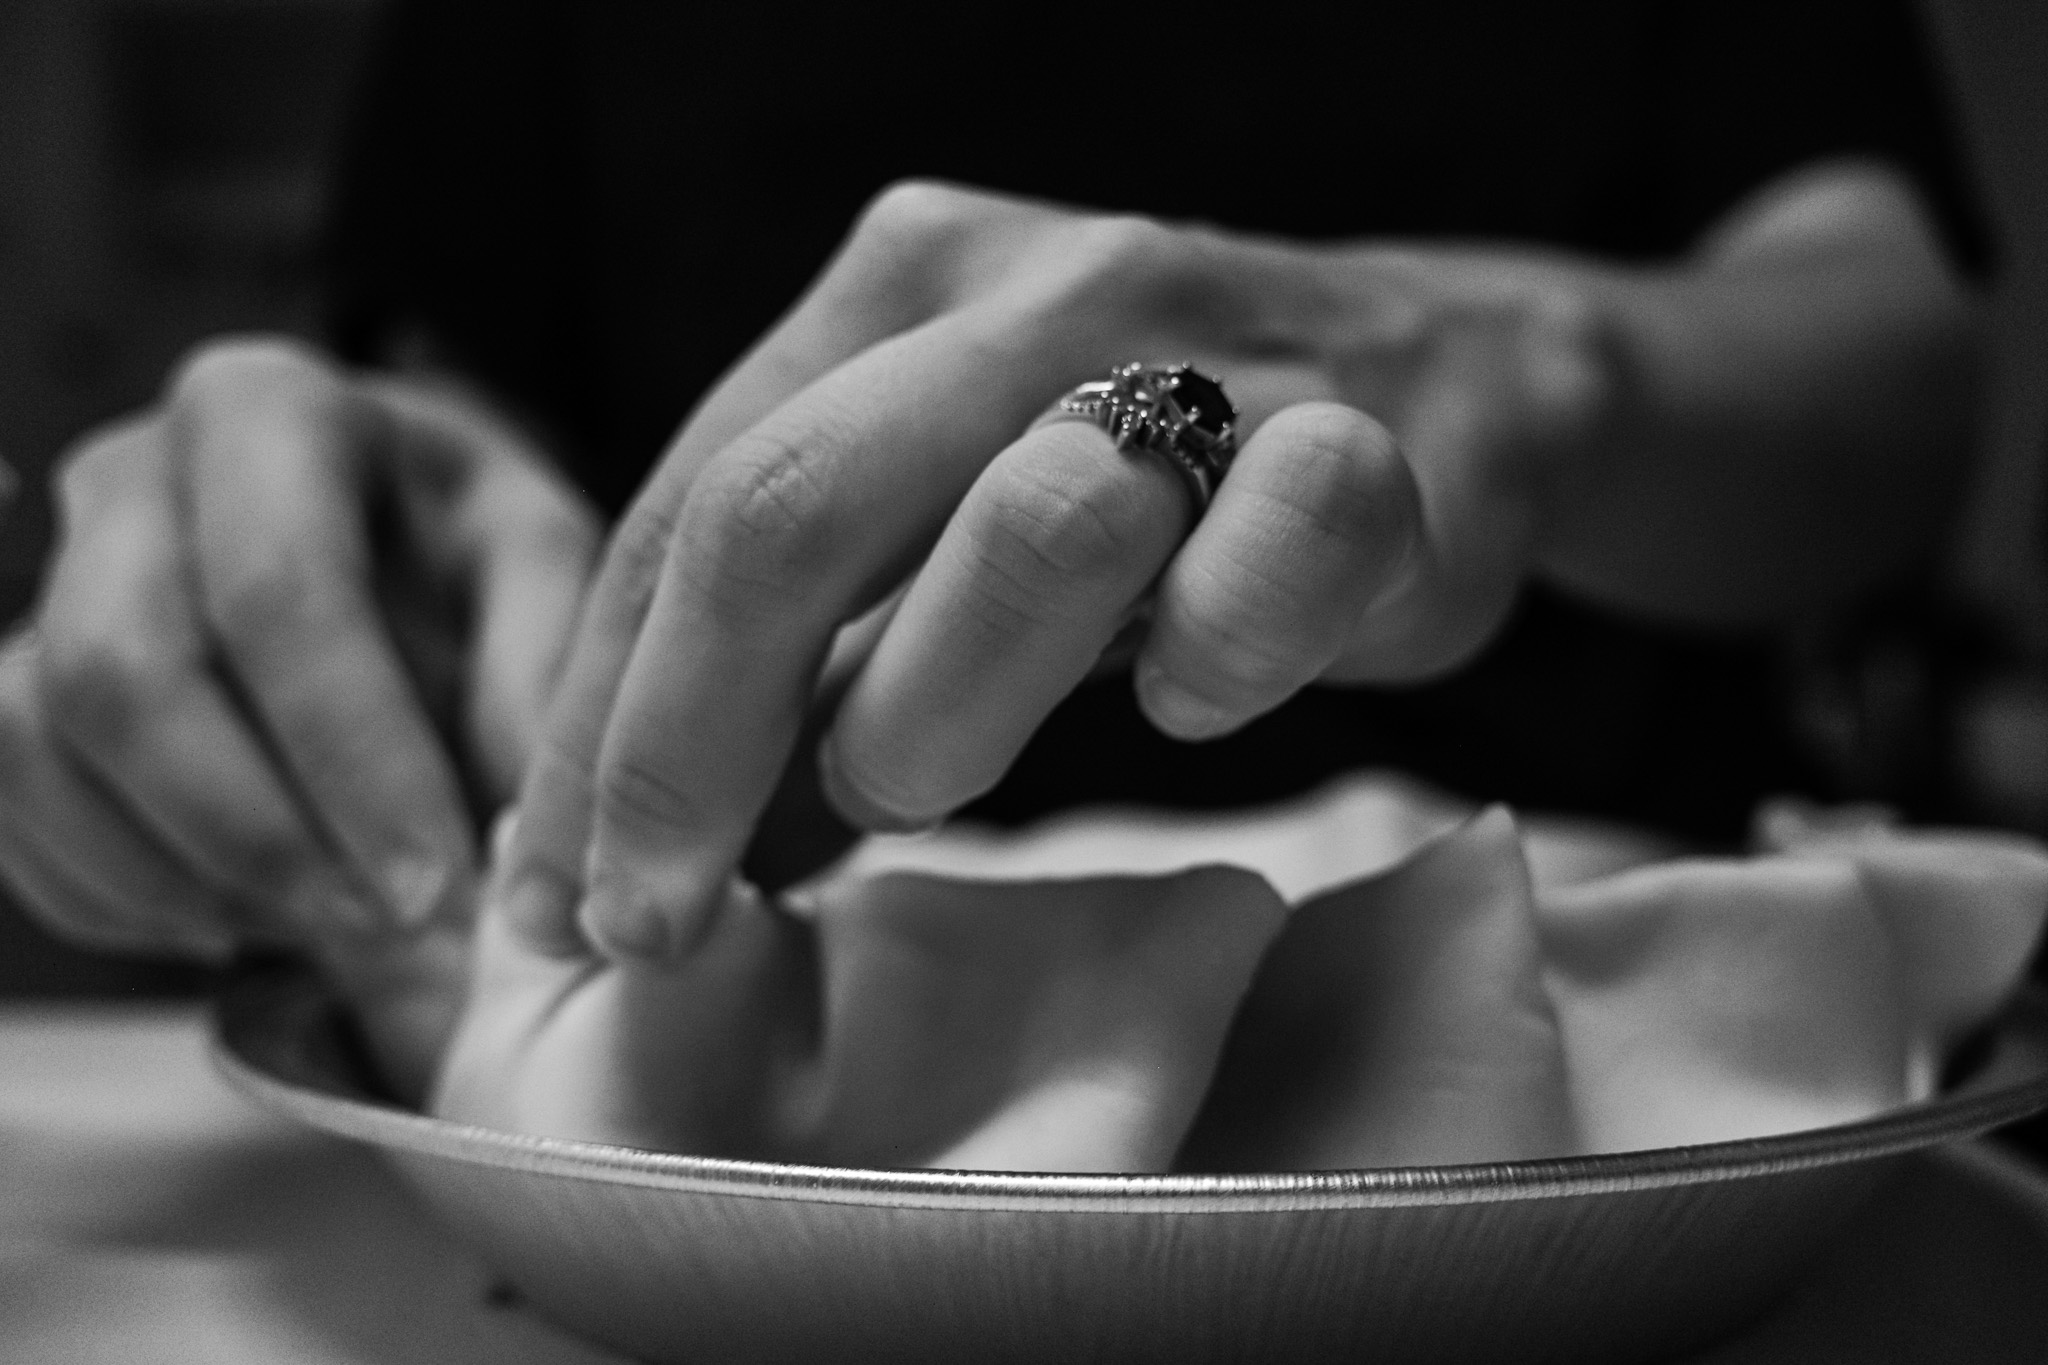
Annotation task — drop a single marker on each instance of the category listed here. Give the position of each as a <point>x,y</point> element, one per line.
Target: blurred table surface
<point>149,1215</point>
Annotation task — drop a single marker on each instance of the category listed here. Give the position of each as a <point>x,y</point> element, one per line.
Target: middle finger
<point>810,518</point>
<point>1029,583</point>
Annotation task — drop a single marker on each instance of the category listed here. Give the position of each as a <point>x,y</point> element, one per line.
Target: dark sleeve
<point>455,203</point>
<point>1757,88</point>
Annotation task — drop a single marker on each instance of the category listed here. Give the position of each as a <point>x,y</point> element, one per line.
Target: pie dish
<point>1623,1257</point>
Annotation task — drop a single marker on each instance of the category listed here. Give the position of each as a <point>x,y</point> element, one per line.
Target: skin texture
<point>1736,438</point>
<point>295,641</point>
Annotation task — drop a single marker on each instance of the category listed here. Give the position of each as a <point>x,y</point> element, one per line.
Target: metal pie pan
<point>1618,1258</point>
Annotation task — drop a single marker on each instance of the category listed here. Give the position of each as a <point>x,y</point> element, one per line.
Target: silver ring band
<point>1174,411</point>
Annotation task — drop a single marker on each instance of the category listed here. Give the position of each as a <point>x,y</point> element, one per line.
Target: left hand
<point>297,617</point>
<point>881,439</point>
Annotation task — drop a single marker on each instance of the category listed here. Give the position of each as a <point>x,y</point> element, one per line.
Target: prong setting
<point>1175,411</point>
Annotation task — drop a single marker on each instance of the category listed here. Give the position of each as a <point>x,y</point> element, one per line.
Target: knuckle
<point>907,245</point>
<point>220,390</point>
<point>1571,350</point>
<point>230,364</point>
<point>763,515</point>
<point>1120,243</point>
<point>1128,253</point>
<point>1564,314</point>
<point>82,474</point>
<point>910,215</point>
<point>638,547</point>
<point>770,495</point>
<point>1058,525</point>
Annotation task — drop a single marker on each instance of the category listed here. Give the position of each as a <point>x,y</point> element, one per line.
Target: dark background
<point>162,179</point>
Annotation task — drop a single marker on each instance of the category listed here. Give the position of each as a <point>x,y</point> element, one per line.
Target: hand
<point>298,630</point>
<point>877,449</point>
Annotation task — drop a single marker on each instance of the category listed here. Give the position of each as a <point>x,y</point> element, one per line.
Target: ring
<point>1175,411</point>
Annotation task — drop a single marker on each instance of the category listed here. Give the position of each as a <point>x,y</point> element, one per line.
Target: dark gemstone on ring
<point>1201,398</point>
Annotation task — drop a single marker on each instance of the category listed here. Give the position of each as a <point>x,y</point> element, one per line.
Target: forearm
<point>1791,410</point>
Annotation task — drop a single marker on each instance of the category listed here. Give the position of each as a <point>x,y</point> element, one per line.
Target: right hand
<point>883,438</point>
<point>299,627</point>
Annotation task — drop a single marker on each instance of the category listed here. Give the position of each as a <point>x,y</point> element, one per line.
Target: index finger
<point>789,532</point>
<point>882,283</point>
<point>278,482</point>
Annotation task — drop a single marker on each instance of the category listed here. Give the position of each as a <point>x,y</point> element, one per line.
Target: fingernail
<point>859,809</point>
<point>633,930</point>
<point>504,830</point>
<point>540,911</point>
<point>416,884</point>
<point>1177,711</point>
<point>799,902</point>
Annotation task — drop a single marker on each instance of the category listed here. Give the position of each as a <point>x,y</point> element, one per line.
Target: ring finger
<point>1055,542</point>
